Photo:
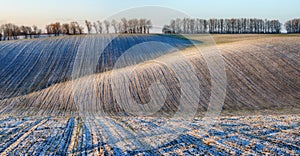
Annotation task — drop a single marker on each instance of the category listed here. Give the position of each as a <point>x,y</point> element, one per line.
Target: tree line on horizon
<point>131,26</point>
<point>10,31</point>
<point>223,26</point>
<point>293,26</point>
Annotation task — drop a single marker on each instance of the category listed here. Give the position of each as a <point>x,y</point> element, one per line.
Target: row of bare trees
<point>132,26</point>
<point>57,28</point>
<point>223,26</point>
<point>11,31</point>
<point>293,26</point>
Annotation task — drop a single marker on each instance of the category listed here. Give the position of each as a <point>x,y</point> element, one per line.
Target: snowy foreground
<point>149,136</point>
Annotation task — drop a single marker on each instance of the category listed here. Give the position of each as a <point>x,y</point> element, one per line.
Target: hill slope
<point>261,74</point>
<point>31,65</point>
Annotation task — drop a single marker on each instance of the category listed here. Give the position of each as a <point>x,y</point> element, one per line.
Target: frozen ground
<point>276,135</point>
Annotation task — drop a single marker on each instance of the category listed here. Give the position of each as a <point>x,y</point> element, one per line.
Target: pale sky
<point>42,12</point>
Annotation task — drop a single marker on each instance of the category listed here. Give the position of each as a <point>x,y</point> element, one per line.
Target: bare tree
<point>56,28</point>
<point>130,26</point>
<point>149,25</point>
<point>66,29</point>
<point>292,26</point>
<point>167,29</point>
<point>10,31</point>
<point>120,27</point>
<point>1,33</point>
<point>178,24</point>
<point>100,27</point>
<point>74,27</point>
<point>53,28</point>
<point>135,25</point>
<point>142,26</point>
<point>107,25</point>
<point>48,29</point>
<point>89,26</point>
<point>192,26</point>
<point>4,31</point>
<point>15,31</point>
<point>125,25</point>
<point>36,31</point>
<point>184,24</point>
<point>173,26</point>
<point>96,27</point>
<point>114,24</point>
<point>230,26</point>
<point>80,29</point>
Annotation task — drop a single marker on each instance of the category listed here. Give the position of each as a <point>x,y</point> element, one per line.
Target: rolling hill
<point>70,75</point>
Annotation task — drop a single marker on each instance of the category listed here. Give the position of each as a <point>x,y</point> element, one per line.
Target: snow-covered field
<point>65,95</point>
<point>255,135</point>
